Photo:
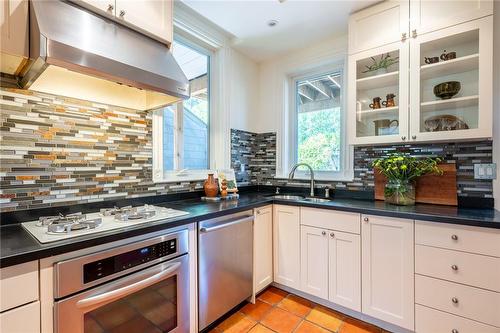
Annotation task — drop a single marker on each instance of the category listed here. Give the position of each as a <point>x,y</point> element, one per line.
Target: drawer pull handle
<point>454,300</point>
<point>454,330</point>
<point>454,237</point>
<point>454,267</point>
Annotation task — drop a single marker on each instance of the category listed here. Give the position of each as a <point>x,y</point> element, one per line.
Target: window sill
<point>198,176</point>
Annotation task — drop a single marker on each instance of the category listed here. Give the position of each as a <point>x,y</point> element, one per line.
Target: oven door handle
<point>129,289</point>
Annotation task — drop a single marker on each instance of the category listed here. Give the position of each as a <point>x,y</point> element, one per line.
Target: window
<point>185,126</point>
<point>318,123</point>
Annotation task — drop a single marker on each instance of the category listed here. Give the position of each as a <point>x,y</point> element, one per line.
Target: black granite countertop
<point>18,246</point>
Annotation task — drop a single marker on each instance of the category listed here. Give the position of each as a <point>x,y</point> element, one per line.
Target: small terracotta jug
<point>210,186</point>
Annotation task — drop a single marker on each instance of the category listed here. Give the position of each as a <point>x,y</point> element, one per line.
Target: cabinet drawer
<point>433,321</point>
<point>472,269</point>
<point>472,303</point>
<point>19,285</point>
<point>455,237</point>
<point>330,219</point>
<point>25,319</point>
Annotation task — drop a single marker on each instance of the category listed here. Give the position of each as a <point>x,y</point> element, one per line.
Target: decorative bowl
<point>447,90</point>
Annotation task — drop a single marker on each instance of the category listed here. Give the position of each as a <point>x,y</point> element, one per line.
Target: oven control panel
<point>101,268</point>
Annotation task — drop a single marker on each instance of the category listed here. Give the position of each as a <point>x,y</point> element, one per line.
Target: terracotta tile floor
<point>277,311</point>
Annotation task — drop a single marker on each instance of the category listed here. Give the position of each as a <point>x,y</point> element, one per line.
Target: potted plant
<point>402,171</point>
<point>380,66</point>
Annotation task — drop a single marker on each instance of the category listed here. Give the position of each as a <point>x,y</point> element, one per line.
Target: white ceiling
<point>301,22</point>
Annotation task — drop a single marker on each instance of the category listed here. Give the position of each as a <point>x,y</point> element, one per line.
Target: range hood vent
<point>79,54</point>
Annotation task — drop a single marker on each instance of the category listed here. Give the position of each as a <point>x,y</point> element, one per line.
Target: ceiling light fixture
<point>272,23</point>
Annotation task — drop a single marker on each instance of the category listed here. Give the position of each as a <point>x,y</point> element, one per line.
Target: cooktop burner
<point>130,213</point>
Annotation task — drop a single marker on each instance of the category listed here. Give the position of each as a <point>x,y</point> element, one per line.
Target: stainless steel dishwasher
<point>225,264</point>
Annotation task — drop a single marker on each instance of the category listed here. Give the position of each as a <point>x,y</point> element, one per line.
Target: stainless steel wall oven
<point>135,288</point>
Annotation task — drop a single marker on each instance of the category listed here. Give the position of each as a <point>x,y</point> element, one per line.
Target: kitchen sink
<point>316,200</point>
<point>287,197</point>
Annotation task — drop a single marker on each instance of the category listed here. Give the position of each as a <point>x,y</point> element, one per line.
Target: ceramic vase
<point>210,186</point>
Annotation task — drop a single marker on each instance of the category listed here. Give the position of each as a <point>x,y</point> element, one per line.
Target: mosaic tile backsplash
<point>464,154</point>
<point>56,151</point>
<point>253,156</point>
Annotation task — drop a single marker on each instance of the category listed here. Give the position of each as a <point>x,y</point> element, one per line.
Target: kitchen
<point>243,166</point>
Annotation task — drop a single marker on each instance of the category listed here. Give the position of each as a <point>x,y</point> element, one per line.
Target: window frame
<point>291,150</point>
<point>179,173</point>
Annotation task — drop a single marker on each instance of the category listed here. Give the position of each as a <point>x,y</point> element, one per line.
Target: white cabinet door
<point>152,17</point>
<point>468,113</point>
<point>99,6</point>
<point>388,269</point>
<point>286,245</point>
<point>314,261</point>
<point>345,269</point>
<point>18,285</point>
<point>13,35</point>
<point>431,15</point>
<point>383,124</point>
<point>263,248</point>
<point>24,319</point>
<point>378,25</point>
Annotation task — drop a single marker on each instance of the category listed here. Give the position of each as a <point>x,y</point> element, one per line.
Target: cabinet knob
<point>403,138</point>
<point>414,137</point>
<point>454,330</point>
<point>110,7</point>
<point>454,237</point>
<point>366,219</point>
<point>403,36</point>
<point>332,234</point>
<point>454,300</point>
<point>454,267</point>
<point>323,232</point>
<point>259,212</point>
<point>414,33</point>
<point>122,13</point>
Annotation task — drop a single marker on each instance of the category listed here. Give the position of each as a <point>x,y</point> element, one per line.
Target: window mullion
<point>178,136</point>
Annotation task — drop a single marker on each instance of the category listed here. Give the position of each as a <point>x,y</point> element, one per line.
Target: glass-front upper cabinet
<point>451,83</point>
<point>378,95</point>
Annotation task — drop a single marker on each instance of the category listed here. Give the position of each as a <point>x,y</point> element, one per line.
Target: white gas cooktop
<point>54,228</point>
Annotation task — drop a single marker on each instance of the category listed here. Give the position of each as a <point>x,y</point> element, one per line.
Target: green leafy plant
<point>384,62</point>
<point>401,171</point>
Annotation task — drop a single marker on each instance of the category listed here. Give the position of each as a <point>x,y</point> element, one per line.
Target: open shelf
<point>378,112</point>
<point>378,81</point>
<point>442,68</point>
<point>452,103</point>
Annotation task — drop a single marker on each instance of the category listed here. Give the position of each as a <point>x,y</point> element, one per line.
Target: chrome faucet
<point>292,174</point>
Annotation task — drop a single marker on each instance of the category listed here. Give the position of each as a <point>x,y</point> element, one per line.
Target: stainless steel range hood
<point>79,54</point>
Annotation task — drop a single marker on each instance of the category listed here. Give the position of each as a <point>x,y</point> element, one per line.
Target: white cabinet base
<point>345,269</point>
<point>24,319</point>
<point>388,269</point>
<point>263,248</point>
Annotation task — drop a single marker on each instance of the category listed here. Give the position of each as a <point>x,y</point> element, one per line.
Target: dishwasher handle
<point>225,225</point>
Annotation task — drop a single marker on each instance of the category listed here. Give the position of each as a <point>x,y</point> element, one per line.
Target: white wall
<point>496,102</point>
<point>244,92</point>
